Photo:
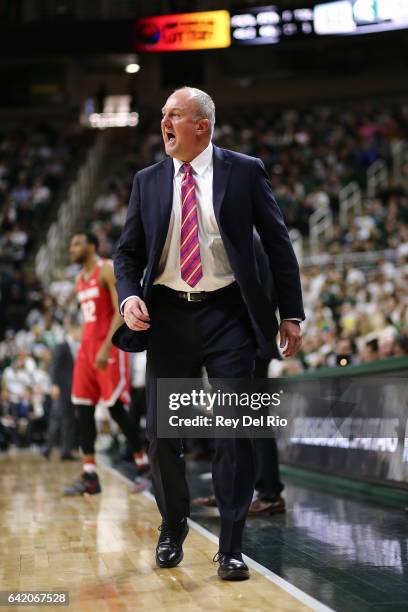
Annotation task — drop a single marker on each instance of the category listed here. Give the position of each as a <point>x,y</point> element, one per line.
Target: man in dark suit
<point>191,293</point>
<point>62,423</point>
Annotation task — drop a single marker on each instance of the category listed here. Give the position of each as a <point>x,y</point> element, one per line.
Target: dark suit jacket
<point>243,200</point>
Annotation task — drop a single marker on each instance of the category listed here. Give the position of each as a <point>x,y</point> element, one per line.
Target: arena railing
<point>350,198</point>
<point>320,227</point>
<point>381,366</point>
<point>360,258</point>
<point>53,252</point>
<point>377,177</point>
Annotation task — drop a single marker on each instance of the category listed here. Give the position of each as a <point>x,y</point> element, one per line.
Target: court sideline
<point>100,549</point>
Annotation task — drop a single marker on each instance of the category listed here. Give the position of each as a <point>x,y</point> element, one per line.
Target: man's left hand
<point>291,334</point>
<point>102,359</point>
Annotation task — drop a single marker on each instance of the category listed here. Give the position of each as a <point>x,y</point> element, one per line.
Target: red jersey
<point>96,304</point>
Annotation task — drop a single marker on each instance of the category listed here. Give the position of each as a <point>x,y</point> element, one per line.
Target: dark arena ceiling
<point>29,11</point>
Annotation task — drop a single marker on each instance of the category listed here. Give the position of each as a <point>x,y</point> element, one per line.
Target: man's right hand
<point>136,314</point>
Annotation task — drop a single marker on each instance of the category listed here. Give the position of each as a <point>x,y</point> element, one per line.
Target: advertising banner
<point>183,32</point>
<point>347,426</point>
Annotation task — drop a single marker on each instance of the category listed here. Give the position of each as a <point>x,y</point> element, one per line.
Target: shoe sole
<point>266,513</point>
<point>177,561</point>
<point>234,575</point>
<point>80,494</point>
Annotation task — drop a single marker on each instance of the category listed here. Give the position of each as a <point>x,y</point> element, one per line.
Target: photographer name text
<point>221,421</point>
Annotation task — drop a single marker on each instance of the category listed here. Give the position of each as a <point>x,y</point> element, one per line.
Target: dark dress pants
<point>62,426</point>
<point>184,337</point>
<point>267,479</point>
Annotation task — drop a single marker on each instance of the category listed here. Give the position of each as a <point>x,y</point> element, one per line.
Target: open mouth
<point>170,137</point>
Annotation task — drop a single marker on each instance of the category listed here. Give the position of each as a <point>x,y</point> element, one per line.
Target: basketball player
<point>101,371</point>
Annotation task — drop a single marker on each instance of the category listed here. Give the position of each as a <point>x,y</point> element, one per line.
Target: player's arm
<point>107,277</point>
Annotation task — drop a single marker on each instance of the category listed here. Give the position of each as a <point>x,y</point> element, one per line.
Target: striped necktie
<point>190,258</point>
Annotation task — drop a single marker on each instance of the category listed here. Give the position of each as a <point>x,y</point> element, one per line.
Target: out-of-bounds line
<point>298,594</point>
<point>286,586</point>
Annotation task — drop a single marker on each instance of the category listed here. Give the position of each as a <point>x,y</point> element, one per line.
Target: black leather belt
<point>195,296</point>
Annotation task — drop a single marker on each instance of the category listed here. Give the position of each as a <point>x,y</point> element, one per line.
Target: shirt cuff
<point>290,319</point>
<point>124,302</point>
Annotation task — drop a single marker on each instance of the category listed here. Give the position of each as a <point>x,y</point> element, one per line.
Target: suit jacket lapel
<point>164,180</point>
<point>221,171</point>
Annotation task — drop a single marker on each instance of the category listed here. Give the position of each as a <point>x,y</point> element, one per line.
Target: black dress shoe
<point>169,551</point>
<point>231,566</point>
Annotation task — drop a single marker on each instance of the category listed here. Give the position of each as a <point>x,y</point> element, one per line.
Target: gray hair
<point>206,106</point>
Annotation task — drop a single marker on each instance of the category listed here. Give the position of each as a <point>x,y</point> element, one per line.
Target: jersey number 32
<point>88,311</point>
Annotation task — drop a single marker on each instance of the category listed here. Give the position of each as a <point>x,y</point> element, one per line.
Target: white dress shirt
<point>217,272</point>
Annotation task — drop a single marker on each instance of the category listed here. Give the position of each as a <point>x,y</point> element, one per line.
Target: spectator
<point>62,422</point>
<point>401,346</point>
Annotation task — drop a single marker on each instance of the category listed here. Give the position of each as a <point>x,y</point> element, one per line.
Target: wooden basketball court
<point>101,549</point>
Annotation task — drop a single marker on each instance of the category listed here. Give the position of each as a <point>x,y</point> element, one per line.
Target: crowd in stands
<point>358,313</point>
<point>354,314</point>
<point>35,163</point>
<point>309,155</point>
<point>25,391</point>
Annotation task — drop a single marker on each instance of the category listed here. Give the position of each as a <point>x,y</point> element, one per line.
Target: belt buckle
<point>190,296</point>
